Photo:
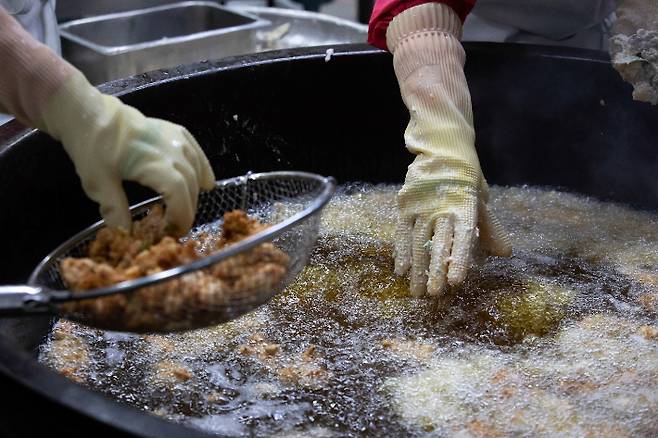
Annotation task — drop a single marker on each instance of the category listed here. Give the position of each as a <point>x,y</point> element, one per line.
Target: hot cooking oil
<point>559,339</point>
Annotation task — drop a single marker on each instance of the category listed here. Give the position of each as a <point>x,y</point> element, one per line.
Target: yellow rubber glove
<point>442,209</point>
<point>109,142</point>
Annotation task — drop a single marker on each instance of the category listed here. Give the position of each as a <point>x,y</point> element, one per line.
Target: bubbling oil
<point>560,338</point>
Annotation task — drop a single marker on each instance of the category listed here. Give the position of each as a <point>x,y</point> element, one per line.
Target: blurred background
<point>110,39</point>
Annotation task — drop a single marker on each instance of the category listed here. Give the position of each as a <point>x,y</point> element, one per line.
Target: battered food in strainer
<point>149,282</point>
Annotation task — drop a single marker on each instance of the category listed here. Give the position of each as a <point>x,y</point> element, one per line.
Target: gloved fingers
<point>462,244</point>
<point>192,182</point>
<point>192,158</point>
<point>152,167</point>
<point>206,176</point>
<point>109,194</point>
<point>181,207</point>
<point>441,246</point>
<point>402,247</point>
<point>493,237</point>
<point>172,182</point>
<point>420,255</point>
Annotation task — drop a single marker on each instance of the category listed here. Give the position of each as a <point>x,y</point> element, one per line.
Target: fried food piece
<point>83,274</point>
<point>114,246</point>
<point>117,247</point>
<point>87,273</point>
<point>649,302</point>
<point>68,352</point>
<point>572,386</point>
<point>152,228</point>
<point>303,373</point>
<point>310,353</point>
<point>409,349</point>
<point>650,333</point>
<point>258,347</point>
<point>305,369</point>
<point>159,345</point>
<point>193,300</point>
<point>483,429</point>
<point>238,226</point>
<point>170,373</point>
<point>164,255</point>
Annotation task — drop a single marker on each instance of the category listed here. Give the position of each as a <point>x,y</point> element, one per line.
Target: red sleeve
<point>385,10</point>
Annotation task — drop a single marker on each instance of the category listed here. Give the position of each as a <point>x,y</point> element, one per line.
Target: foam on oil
<point>561,338</point>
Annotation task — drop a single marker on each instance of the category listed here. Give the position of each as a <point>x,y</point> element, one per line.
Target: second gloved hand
<point>442,210</point>
<point>109,142</point>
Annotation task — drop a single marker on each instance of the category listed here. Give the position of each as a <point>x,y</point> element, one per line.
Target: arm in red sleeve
<point>385,10</point>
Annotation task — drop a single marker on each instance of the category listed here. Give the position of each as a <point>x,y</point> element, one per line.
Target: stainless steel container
<point>118,45</point>
<point>295,28</point>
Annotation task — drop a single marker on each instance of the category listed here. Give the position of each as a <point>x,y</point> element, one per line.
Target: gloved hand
<point>634,47</point>
<point>107,140</point>
<point>442,209</point>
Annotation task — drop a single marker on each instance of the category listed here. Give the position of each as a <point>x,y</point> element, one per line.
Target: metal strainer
<point>176,298</point>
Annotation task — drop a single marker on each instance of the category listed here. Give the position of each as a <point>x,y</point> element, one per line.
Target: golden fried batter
<point>409,348</point>
<point>193,300</point>
<point>69,353</point>
<point>256,346</point>
<point>650,302</point>
<point>649,332</point>
<point>237,226</point>
<point>118,247</point>
<point>169,373</point>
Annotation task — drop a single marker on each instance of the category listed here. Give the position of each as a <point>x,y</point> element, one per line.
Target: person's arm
<point>30,73</point>
<point>107,140</point>
<point>384,11</point>
<point>442,211</point>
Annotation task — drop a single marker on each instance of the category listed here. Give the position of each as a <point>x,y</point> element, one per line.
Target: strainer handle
<point>23,300</point>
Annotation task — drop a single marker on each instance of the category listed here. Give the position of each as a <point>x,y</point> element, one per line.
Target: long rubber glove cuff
<point>442,208</point>
<point>107,140</point>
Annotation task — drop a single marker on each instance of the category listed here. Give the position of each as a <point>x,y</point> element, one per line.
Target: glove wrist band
<point>428,49</point>
<point>432,18</point>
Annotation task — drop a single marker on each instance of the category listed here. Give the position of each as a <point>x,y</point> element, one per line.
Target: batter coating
<point>191,300</point>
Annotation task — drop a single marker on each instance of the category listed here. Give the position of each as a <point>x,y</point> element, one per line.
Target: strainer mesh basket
<point>179,298</point>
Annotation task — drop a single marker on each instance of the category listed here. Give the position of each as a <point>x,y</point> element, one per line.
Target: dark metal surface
<point>543,116</point>
<point>364,9</point>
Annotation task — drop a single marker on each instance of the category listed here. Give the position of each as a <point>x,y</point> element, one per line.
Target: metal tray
<point>118,45</point>
<point>292,28</point>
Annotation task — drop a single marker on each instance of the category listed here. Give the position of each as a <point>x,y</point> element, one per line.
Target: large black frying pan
<point>543,116</point>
